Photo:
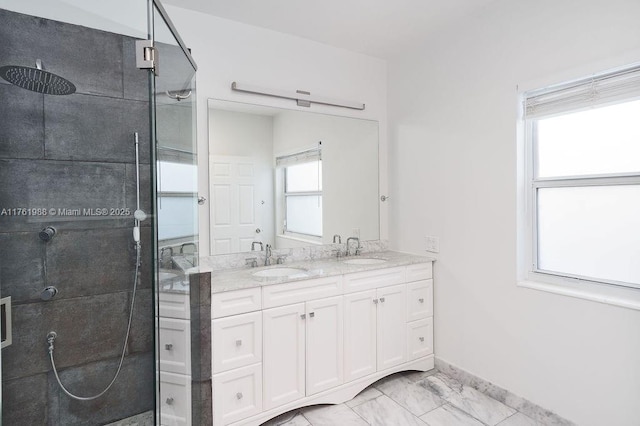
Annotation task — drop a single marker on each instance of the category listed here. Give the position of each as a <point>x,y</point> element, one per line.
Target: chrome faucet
<point>348,253</point>
<point>253,245</point>
<point>267,257</point>
<point>337,237</point>
<point>193,245</point>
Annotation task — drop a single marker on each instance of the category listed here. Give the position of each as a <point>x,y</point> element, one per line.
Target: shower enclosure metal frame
<point>151,60</point>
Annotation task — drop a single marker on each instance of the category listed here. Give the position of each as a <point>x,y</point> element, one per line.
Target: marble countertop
<point>236,279</point>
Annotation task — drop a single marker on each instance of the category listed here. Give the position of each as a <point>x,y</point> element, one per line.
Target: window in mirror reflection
<point>177,188</point>
<point>303,193</point>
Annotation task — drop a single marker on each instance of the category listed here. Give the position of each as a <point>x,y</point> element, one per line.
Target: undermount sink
<point>364,261</point>
<point>280,272</point>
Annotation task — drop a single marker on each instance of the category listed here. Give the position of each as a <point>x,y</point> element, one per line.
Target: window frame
<point>534,183</point>
<point>292,194</point>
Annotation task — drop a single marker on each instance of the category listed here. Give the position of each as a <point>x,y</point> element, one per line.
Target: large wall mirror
<point>289,178</point>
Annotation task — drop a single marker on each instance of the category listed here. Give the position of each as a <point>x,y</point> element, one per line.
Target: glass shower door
<point>174,102</point>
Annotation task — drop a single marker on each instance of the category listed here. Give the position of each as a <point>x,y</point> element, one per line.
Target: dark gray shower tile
<point>57,186</point>
<point>201,403</point>
<point>93,128</point>
<point>90,59</point>
<point>145,190</point>
<point>21,123</point>
<point>89,262</point>
<point>132,393</point>
<point>21,266</point>
<point>24,401</point>
<point>136,81</point>
<point>89,329</point>
<point>142,326</point>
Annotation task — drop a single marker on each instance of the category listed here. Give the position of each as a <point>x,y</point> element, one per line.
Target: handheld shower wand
<point>138,216</point>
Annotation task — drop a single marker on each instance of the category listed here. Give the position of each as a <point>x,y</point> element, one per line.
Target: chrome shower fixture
<point>37,79</point>
<point>47,233</point>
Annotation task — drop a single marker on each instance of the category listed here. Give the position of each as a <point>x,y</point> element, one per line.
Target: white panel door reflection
<point>241,193</point>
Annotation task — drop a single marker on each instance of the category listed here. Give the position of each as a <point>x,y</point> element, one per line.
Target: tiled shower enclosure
<point>59,157</point>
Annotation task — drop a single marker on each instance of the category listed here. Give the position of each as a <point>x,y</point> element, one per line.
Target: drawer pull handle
<point>169,401</point>
<point>375,301</point>
<point>303,316</point>
<point>382,299</point>
<point>312,314</point>
<point>421,300</point>
<point>421,339</point>
<point>168,346</point>
<point>238,342</point>
<point>239,395</point>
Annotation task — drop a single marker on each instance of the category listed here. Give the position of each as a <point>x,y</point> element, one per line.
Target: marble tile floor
<point>411,399</point>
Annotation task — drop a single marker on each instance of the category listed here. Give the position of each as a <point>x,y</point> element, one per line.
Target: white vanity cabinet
<point>303,344</point>
<point>419,311</point>
<point>237,352</point>
<point>316,341</point>
<point>175,359</point>
<point>374,330</point>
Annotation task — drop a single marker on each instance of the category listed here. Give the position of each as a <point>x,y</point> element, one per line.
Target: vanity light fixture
<point>302,97</point>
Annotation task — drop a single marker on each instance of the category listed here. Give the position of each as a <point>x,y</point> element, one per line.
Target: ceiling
<point>378,28</point>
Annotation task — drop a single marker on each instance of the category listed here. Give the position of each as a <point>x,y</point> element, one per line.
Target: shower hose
<point>51,337</point>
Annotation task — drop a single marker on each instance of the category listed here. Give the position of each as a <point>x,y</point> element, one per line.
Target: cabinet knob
<point>239,395</point>
<point>312,314</point>
<point>238,342</point>
<point>168,346</point>
<point>169,401</point>
<point>382,299</point>
<point>421,300</point>
<point>421,339</point>
<point>375,301</point>
<point>303,316</point>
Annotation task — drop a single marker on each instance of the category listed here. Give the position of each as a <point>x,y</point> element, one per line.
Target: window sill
<point>624,297</point>
<point>310,240</point>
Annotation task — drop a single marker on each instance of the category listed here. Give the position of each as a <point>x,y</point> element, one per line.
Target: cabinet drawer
<point>362,281</point>
<point>419,271</point>
<point>175,345</point>
<point>175,399</point>
<point>237,394</point>
<point>236,302</point>
<point>173,305</point>
<point>301,291</point>
<point>237,341</point>
<point>419,300</point>
<point>419,338</point>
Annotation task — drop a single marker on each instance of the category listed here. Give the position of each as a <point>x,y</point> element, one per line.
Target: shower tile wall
<point>73,152</point>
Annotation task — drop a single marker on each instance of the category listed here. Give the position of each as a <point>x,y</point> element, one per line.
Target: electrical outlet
<point>432,243</point>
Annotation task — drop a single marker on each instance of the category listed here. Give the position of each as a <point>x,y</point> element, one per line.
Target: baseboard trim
<point>526,407</point>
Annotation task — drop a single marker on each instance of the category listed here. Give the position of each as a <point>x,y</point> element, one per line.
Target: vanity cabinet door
<point>283,358</point>
<point>325,355</point>
<point>392,326</point>
<point>359,334</point>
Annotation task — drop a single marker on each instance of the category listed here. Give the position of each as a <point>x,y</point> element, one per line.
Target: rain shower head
<point>37,79</point>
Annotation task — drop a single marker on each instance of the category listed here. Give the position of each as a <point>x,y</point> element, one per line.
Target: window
<point>177,205</point>
<point>583,157</point>
<point>302,193</point>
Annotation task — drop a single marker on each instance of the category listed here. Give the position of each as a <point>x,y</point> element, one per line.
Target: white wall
<point>228,51</point>
<point>453,115</point>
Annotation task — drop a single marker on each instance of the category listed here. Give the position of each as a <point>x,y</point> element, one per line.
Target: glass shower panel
<point>76,263</point>
<point>174,97</point>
